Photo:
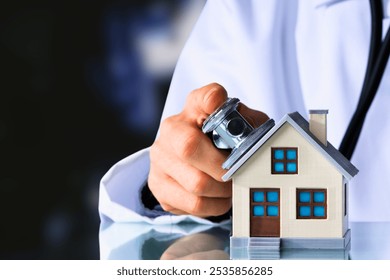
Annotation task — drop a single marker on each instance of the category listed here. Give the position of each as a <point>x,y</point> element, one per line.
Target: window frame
<point>312,204</point>
<point>284,161</point>
<point>264,203</point>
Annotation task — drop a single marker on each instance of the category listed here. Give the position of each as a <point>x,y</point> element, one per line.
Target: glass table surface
<point>137,241</point>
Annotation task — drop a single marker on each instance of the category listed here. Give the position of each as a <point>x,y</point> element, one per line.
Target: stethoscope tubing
<point>376,65</point>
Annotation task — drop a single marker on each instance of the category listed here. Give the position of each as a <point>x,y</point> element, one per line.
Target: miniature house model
<point>290,187</point>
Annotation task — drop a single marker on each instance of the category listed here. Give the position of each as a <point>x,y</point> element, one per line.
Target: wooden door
<point>265,212</point>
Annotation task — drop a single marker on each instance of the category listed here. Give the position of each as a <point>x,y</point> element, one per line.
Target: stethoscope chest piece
<point>230,130</point>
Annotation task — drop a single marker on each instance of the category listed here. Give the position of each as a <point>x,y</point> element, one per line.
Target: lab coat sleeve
<point>120,194</point>
<point>119,198</point>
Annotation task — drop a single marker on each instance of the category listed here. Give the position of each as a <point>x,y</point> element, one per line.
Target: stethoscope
<point>377,60</point>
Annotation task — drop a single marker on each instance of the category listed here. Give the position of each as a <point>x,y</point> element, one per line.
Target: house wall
<point>314,171</point>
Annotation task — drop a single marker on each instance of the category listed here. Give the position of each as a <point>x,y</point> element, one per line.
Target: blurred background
<point>83,85</point>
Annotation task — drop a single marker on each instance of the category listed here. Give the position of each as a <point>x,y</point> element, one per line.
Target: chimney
<point>317,124</point>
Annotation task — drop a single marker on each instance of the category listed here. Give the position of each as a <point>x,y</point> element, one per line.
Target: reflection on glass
<point>135,241</point>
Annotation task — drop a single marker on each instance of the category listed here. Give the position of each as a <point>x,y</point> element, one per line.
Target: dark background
<point>78,92</point>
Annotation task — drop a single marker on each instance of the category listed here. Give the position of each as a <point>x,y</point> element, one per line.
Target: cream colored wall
<point>240,217</point>
<point>313,172</point>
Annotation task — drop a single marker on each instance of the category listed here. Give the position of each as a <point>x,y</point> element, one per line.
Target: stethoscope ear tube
<point>376,38</point>
<point>378,57</point>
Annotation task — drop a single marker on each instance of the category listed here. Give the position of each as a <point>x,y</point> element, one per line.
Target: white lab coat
<point>278,57</point>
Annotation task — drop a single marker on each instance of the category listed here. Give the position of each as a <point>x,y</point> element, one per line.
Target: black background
<point>57,134</point>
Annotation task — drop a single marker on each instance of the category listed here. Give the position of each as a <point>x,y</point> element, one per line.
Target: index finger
<point>204,101</point>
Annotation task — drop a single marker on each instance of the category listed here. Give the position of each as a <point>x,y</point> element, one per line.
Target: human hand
<point>199,246</point>
<point>185,167</point>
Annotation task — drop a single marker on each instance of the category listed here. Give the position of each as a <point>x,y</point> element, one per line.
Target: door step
<point>255,248</point>
<point>264,242</point>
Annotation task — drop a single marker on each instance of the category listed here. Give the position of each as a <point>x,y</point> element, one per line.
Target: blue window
<point>272,196</point>
<point>258,210</point>
<point>291,167</point>
<point>319,196</point>
<point>304,211</point>
<point>291,154</point>
<point>279,167</point>
<point>304,196</point>
<point>311,204</point>
<point>272,211</point>
<point>284,160</point>
<point>319,211</point>
<point>279,154</point>
<point>258,196</point>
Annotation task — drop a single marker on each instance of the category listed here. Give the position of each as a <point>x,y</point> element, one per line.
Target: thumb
<point>253,117</point>
<point>204,101</point>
